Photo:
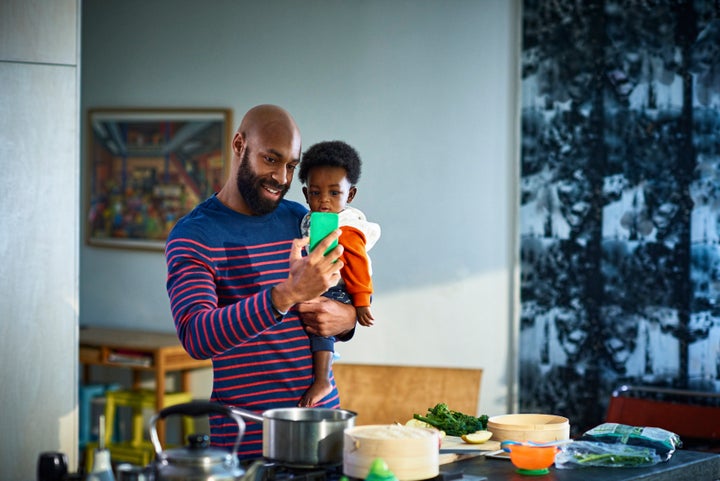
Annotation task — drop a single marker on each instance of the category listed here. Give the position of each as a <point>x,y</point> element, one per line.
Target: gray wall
<point>425,90</point>
<point>39,231</point>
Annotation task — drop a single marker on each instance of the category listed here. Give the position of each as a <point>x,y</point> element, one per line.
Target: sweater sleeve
<point>204,328</point>
<point>356,271</point>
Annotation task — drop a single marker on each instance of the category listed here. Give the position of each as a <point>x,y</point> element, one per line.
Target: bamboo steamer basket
<point>539,428</point>
<point>411,453</point>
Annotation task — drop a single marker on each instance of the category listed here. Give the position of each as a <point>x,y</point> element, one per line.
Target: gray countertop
<point>683,466</point>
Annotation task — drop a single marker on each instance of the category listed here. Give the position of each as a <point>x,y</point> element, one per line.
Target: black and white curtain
<point>620,201</point>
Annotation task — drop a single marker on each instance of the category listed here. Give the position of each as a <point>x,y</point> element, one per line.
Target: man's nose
<point>281,175</point>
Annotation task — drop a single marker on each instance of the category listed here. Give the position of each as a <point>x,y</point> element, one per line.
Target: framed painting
<point>146,168</point>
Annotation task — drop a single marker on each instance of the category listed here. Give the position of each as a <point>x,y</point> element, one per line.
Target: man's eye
<point>270,160</point>
<point>291,167</point>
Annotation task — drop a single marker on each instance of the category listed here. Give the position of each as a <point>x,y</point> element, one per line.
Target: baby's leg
<point>321,387</point>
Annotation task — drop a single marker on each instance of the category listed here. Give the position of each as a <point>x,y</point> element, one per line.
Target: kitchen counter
<point>683,466</point>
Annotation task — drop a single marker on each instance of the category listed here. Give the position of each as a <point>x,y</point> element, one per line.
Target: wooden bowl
<point>539,428</point>
<point>411,453</point>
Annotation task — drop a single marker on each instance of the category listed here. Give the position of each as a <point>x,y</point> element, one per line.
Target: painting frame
<point>147,167</point>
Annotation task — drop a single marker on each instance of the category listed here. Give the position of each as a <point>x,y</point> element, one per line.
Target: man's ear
<point>238,143</point>
<point>351,194</point>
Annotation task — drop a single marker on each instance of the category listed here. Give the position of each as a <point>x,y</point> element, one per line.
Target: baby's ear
<point>351,194</point>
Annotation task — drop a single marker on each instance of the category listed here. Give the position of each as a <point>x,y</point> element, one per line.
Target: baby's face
<point>328,189</point>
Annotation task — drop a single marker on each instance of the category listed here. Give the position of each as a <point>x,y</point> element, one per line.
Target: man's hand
<point>326,317</point>
<point>311,275</point>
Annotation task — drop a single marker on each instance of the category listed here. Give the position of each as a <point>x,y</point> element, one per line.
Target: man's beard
<point>249,184</point>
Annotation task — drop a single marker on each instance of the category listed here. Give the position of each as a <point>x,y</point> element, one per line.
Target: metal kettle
<point>198,461</point>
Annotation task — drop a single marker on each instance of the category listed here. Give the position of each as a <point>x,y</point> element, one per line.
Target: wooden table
<point>140,351</point>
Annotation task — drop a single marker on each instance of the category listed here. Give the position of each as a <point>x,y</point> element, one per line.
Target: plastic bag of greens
<point>580,454</point>
<point>662,441</point>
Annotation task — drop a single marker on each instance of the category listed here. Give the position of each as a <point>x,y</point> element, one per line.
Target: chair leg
<point>89,457</point>
<point>137,430</point>
<point>109,418</point>
<point>188,428</point>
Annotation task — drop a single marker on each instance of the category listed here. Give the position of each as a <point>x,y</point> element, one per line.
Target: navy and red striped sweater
<point>221,267</point>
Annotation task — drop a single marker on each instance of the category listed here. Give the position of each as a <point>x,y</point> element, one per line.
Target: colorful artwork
<point>148,168</point>
<point>620,201</point>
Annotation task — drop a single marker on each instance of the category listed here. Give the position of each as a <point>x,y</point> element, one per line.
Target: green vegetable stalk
<point>613,459</point>
<point>615,455</point>
<point>452,422</point>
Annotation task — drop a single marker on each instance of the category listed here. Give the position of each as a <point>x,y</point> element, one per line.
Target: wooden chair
<point>136,450</point>
<point>385,394</point>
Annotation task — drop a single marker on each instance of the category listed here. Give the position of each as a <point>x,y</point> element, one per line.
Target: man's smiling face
<point>262,193</point>
<point>269,158</point>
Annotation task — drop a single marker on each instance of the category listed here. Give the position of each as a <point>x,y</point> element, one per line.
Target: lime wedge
<point>416,423</point>
<point>478,437</point>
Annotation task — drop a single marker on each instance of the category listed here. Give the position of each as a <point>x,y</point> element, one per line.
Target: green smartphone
<point>322,224</point>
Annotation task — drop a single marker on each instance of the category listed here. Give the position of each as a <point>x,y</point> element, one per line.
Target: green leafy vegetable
<point>593,453</point>
<point>612,459</point>
<point>662,441</point>
<point>454,423</point>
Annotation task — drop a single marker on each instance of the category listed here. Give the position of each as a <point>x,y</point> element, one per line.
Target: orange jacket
<point>356,271</point>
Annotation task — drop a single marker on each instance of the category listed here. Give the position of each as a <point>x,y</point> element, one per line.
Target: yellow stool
<point>137,450</point>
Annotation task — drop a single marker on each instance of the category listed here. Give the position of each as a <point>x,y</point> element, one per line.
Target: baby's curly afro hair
<point>333,153</point>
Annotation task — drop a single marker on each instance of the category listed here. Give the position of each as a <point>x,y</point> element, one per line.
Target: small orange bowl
<point>532,459</point>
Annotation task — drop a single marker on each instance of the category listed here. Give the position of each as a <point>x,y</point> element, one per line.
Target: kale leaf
<point>454,423</point>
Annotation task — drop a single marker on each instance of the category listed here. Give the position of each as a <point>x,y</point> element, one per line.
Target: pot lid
<point>197,453</point>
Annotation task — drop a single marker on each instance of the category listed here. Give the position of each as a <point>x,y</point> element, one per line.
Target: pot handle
<point>248,414</point>
<point>195,409</point>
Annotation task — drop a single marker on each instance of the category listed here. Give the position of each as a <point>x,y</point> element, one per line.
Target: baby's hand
<point>365,317</point>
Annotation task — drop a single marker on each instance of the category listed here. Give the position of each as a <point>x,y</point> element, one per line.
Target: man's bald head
<point>267,118</point>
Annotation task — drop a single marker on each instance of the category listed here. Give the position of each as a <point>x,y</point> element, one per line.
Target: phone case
<point>322,224</point>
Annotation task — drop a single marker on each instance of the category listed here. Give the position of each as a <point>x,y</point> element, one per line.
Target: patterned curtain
<point>620,201</point>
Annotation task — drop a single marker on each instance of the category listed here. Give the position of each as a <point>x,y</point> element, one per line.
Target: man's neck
<point>233,200</point>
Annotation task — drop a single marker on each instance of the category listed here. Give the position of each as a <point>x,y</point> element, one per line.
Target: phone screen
<point>322,224</point>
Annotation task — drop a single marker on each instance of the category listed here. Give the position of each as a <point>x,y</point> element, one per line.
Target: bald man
<point>239,285</point>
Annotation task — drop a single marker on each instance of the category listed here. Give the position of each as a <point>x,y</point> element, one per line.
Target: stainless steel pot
<point>303,437</point>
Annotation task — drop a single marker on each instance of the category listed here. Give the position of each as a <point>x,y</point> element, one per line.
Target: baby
<point>330,172</point>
